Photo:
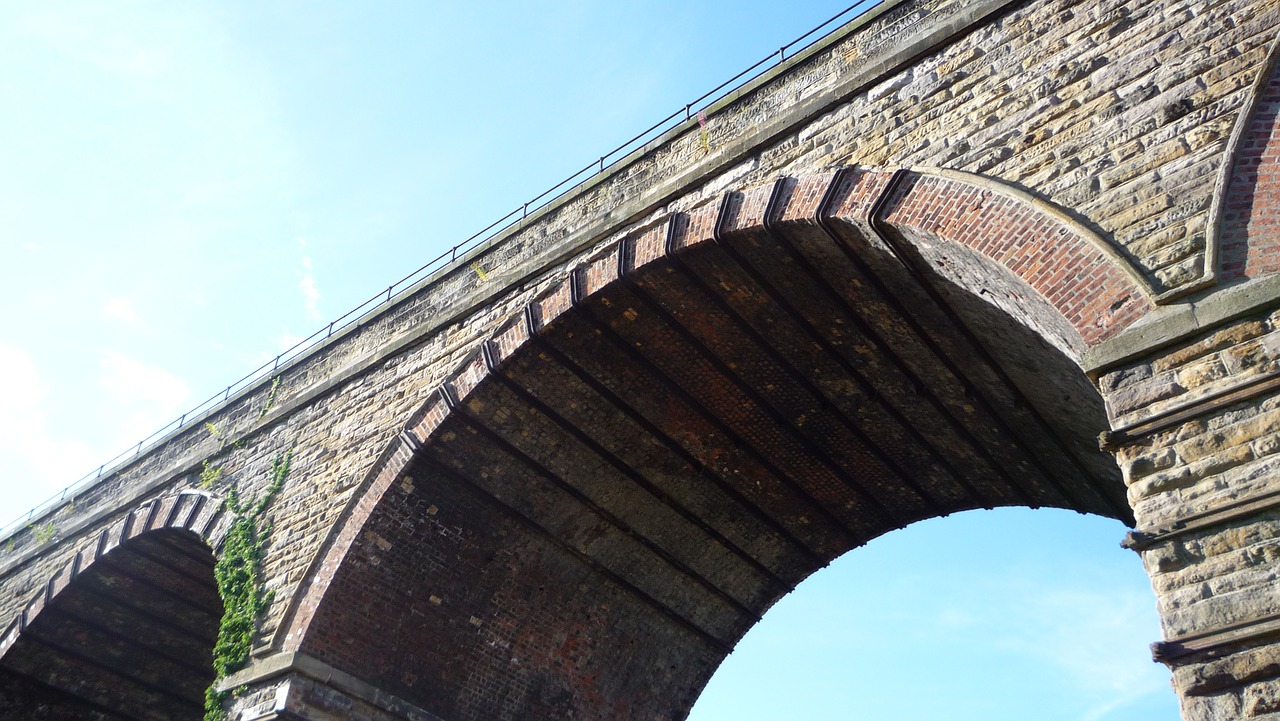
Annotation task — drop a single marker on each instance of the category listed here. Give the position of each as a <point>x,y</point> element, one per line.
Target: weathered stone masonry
<point>1200,435</point>
<point>920,268</point>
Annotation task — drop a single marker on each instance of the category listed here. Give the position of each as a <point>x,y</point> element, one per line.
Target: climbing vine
<point>271,398</point>
<point>239,576</point>
<point>210,475</point>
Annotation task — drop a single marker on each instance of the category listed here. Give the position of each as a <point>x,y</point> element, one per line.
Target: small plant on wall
<point>44,533</point>
<point>210,475</point>
<point>271,398</point>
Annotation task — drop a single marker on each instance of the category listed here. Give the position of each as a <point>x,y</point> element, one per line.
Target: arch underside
<point>621,483</point>
<point>131,637</point>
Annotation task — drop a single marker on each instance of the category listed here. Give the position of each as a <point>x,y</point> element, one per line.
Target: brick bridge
<point>960,254</point>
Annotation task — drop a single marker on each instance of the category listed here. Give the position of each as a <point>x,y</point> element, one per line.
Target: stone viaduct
<point>959,254</point>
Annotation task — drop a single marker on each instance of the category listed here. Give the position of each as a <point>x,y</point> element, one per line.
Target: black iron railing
<point>382,299</point>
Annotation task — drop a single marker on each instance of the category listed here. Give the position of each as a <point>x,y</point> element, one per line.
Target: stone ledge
<point>1245,507</point>
<point>300,664</point>
<point>1171,324</point>
<point>1250,388</point>
<point>1215,639</point>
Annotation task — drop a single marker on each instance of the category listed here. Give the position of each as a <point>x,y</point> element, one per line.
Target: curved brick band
<point>196,512</point>
<point>1248,224</point>
<point>1089,285</point>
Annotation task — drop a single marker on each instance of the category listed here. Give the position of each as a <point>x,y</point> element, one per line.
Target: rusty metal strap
<point>1243,508</point>
<point>1216,639</point>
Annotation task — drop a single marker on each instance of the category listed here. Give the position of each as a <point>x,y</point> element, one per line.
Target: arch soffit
<point>193,511</point>
<point>1076,272</point>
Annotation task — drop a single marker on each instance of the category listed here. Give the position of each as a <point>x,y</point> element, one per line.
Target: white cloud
<point>165,131</point>
<point>145,397</point>
<point>121,310</point>
<point>955,617</point>
<point>25,387</point>
<point>35,457</point>
<point>286,341</point>
<point>310,293</point>
<point>1106,709</point>
<point>98,36</point>
<point>1092,636</point>
<point>1090,633</point>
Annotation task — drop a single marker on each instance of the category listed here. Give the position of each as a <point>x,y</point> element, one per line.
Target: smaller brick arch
<point>127,628</point>
<point>1244,228</point>
<point>195,512</point>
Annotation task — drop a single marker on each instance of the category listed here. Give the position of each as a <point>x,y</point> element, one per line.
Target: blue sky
<point>187,189</point>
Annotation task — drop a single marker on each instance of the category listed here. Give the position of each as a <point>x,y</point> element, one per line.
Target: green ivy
<point>210,475</point>
<point>239,576</point>
<point>271,397</point>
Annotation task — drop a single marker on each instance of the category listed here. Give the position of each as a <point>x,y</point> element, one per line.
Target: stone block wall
<point>1198,440</point>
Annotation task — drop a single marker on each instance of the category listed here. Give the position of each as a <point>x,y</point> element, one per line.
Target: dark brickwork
<point>128,634</point>
<point>918,270</point>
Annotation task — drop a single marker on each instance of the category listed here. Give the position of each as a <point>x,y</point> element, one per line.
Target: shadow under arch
<point>597,505</point>
<point>127,629</point>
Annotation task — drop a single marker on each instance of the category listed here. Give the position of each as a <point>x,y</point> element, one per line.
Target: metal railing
<point>385,298</point>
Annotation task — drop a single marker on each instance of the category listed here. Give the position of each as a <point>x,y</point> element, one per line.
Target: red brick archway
<point>610,491</point>
<point>1250,187</point>
<point>127,628</point>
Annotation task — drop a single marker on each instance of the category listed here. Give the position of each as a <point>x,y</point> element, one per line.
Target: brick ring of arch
<point>612,490</point>
<point>127,628</point>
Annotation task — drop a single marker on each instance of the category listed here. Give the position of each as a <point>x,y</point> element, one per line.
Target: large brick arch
<point>609,492</point>
<point>126,628</point>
